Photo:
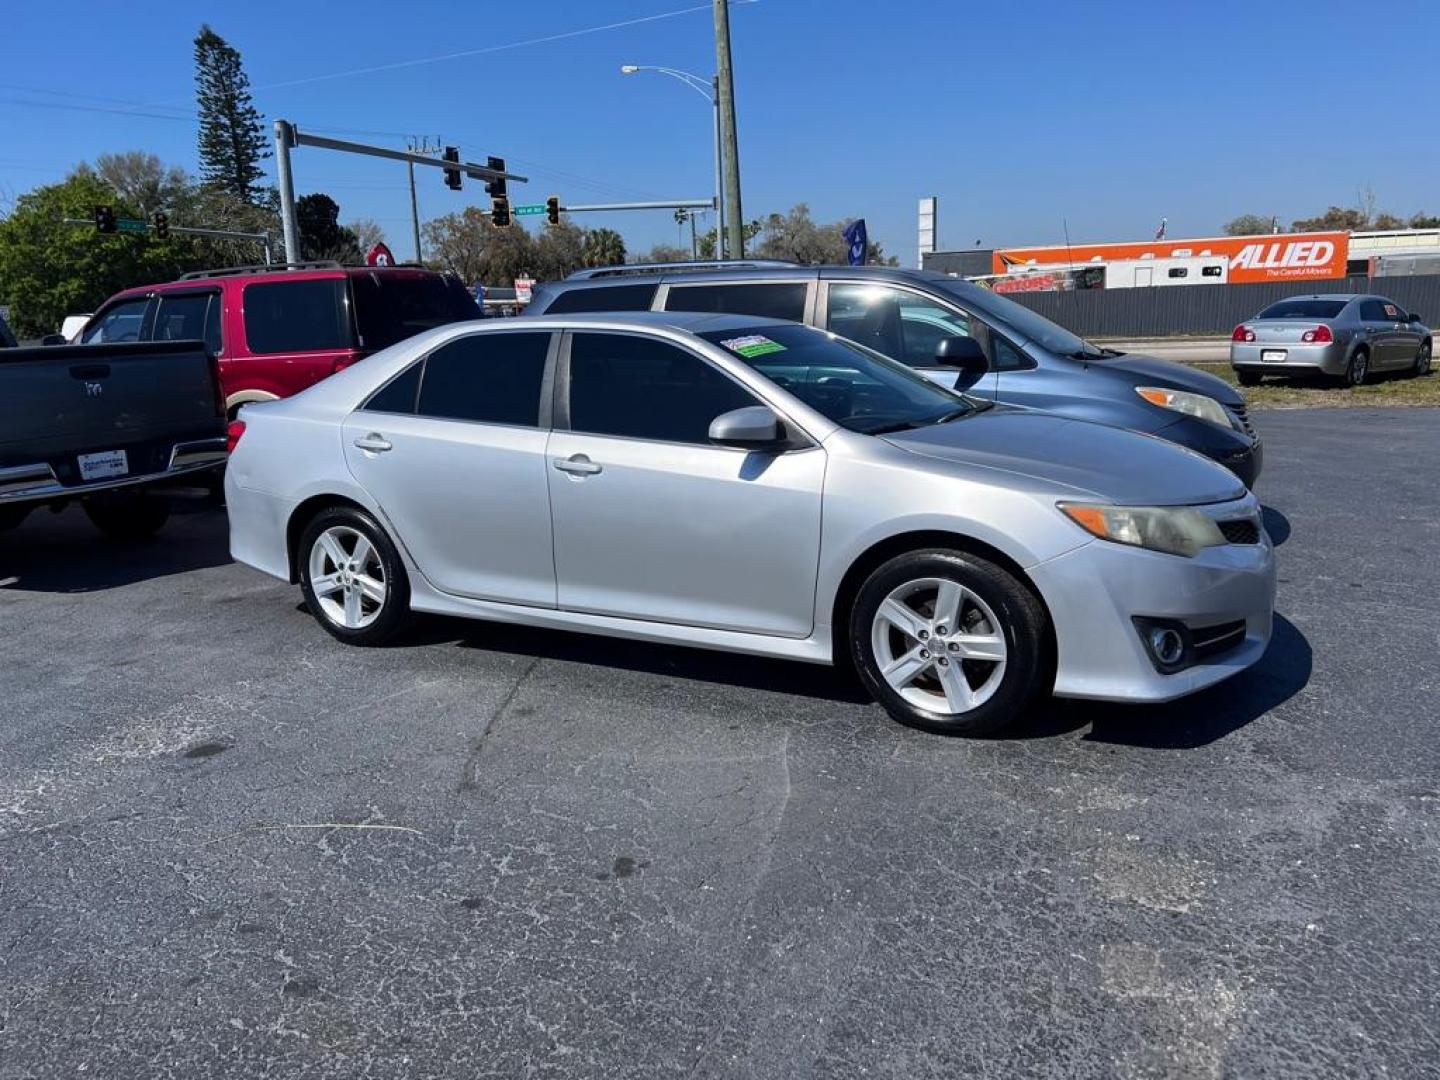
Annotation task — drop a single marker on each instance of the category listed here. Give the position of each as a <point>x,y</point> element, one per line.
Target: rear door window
<point>776,300</point>
<point>181,317</point>
<point>901,324</point>
<point>1374,311</point>
<point>123,322</point>
<point>296,316</point>
<point>486,378</point>
<point>636,297</point>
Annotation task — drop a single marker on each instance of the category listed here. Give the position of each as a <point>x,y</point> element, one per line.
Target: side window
<point>1178,272</point>
<point>180,318</point>
<point>900,324</point>
<point>486,378</point>
<point>1211,271</point>
<point>604,298</point>
<point>1372,311</point>
<point>399,394</point>
<point>121,323</point>
<point>772,301</point>
<point>641,388</point>
<point>296,316</point>
<point>1007,357</point>
<point>214,337</point>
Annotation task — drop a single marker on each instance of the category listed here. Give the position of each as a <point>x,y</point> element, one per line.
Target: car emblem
<point>94,389</point>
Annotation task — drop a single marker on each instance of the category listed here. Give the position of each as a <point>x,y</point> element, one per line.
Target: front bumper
<point>1238,450</point>
<point>1328,359</point>
<point>1095,593</point>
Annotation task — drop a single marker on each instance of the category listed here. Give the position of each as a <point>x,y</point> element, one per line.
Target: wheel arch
<point>303,514</point>
<point>918,540</point>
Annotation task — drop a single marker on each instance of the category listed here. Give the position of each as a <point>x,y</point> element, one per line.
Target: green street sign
<point>131,225</point>
<point>534,208</point>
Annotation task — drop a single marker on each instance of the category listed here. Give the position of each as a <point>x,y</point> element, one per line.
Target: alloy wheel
<point>347,577</point>
<point>939,646</point>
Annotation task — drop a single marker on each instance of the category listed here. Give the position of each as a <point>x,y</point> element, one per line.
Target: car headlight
<point>1177,530</point>
<point>1182,401</point>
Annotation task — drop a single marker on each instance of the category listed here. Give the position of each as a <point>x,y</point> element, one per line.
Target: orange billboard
<point>1277,257</point>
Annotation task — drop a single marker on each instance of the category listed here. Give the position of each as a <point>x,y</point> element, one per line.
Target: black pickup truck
<point>111,425</point>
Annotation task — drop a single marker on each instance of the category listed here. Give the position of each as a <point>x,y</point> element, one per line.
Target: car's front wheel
<point>352,577</point>
<point>949,642</point>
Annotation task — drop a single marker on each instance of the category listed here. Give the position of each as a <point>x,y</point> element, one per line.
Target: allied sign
<point>1277,257</point>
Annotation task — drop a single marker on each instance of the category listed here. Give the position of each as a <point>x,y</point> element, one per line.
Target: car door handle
<point>578,465</point>
<point>374,442</point>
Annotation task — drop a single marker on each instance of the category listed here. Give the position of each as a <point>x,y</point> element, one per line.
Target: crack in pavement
<point>468,780</point>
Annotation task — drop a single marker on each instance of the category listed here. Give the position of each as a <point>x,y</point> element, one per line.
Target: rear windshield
<point>391,308</point>
<point>1304,309</point>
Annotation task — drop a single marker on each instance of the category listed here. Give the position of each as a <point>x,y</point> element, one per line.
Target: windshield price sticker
<point>752,345</point>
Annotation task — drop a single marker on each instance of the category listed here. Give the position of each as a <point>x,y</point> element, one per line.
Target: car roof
<point>202,279</point>
<point>694,322</point>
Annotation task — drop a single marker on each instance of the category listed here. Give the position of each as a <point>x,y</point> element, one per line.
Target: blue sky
<point>1018,116</point>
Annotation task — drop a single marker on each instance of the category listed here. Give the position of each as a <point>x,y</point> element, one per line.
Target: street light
<point>709,89</point>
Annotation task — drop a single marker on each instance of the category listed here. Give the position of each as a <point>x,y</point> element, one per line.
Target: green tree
<point>142,180</point>
<point>49,269</point>
<point>321,235</point>
<point>559,250</point>
<point>1250,225</point>
<point>474,250</point>
<point>796,236</point>
<point>232,138</point>
<point>604,247</point>
<point>1335,219</point>
<point>663,253</point>
<point>1423,220</point>
<point>706,243</point>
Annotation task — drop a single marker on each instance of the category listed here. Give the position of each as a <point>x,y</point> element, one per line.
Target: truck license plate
<point>103,464</point>
<point>1272,356</point>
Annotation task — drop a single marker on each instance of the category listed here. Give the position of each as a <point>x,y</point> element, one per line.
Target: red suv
<point>277,330</point>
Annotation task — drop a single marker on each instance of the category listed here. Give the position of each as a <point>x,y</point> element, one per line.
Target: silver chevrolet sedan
<point>1343,335</point>
<point>761,487</point>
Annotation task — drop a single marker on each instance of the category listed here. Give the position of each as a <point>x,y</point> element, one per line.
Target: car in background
<point>1346,336</point>
<point>761,487</point>
<point>906,314</point>
<point>278,329</point>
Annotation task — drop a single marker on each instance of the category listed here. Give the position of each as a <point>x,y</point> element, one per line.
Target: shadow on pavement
<point>1276,524</point>
<point>64,553</point>
<point>1212,714</point>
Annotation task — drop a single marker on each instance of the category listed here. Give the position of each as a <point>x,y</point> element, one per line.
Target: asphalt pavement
<point>232,847</point>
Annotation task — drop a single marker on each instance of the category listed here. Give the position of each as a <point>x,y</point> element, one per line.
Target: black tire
<point>128,515</point>
<point>1357,371</point>
<point>12,516</point>
<point>1023,625</point>
<point>1422,362</point>
<point>383,620</point>
<point>1248,378</point>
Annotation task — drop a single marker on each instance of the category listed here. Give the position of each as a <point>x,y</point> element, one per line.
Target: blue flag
<point>855,237</point>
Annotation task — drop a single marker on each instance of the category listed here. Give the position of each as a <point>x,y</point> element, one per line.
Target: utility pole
<point>284,142</point>
<point>725,96</point>
<point>423,147</point>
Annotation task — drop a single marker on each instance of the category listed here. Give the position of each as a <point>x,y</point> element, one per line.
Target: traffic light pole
<point>263,239</point>
<point>288,136</point>
<point>677,204</point>
<point>725,99</point>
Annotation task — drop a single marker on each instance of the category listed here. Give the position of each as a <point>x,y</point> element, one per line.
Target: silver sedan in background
<point>760,487</point>
<point>1343,335</point>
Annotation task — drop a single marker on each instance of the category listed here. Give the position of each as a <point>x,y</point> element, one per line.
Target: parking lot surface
<point>231,846</point>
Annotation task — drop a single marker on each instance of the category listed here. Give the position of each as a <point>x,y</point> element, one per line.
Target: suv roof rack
<point>667,267</point>
<point>270,268</point>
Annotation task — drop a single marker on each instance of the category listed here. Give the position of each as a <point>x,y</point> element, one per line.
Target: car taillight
<point>1242,333</point>
<point>232,435</point>
<point>1319,336</point>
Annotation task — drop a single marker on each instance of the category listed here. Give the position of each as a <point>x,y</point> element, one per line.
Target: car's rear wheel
<point>1422,361</point>
<point>1358,369</point>
<point>352,577</point>
<point>1248,378</point>
<point>128,515</point>
<point>949,642</point>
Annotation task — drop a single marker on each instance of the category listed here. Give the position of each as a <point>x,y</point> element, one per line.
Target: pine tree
<point>232,137</point>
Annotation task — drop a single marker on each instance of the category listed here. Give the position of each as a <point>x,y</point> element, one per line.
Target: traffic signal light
<point>500,212</point>
<point>161,223</point>
<point>495,188</point>
<point>552,209</point>
<point>105,219</point>
<point>453,179</point>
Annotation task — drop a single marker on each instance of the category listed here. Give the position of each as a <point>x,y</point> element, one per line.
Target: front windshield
<point>1025,322</point>
<point>847,383</point>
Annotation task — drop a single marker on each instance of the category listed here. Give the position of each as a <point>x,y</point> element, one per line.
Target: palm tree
<point>604,247</point>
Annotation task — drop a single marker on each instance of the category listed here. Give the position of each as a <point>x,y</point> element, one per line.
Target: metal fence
<point>1163,311</point>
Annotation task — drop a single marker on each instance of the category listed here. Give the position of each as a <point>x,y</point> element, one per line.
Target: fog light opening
<point>1167,645</point>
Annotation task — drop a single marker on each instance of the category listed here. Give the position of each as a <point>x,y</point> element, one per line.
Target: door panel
<point>467,500</point>
<point>693,535</point>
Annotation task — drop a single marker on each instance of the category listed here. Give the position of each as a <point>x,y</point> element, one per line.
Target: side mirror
<point>963,353</point>
<point>54,339</point>
<point>752,428</point>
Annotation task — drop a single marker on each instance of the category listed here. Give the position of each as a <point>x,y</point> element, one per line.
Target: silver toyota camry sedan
<point>756,486</point>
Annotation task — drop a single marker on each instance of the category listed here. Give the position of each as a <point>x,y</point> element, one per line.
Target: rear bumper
<point>39,482</point>
<point>1329,359</point>
<point>258,528</point>
<point>1095,594</point>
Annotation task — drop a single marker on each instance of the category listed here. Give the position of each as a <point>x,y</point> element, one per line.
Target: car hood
<point>1149,371</point>
<point>1109,463</point>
